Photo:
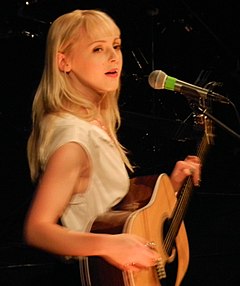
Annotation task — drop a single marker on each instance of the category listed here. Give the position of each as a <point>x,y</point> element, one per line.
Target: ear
<point>63,63</point>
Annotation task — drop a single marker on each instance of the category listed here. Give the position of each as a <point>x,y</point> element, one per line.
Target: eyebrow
<point>103,41</point>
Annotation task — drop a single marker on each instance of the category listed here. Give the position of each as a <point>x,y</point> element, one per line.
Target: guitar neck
<point>184,196</point>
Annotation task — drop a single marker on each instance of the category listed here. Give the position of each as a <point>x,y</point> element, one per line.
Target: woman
<point>73,150</point>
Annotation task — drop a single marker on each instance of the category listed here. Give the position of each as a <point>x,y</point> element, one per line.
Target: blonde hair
<point>54,93</point>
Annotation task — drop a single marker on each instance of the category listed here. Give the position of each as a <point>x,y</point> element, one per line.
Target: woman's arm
<point>67,172</point>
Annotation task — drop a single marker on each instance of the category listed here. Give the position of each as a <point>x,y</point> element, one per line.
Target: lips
<point>112,72</point>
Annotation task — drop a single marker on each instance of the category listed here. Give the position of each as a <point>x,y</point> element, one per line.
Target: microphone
<point>160,80</point>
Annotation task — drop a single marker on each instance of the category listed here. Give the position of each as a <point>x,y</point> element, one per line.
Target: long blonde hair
<point>54,93</point>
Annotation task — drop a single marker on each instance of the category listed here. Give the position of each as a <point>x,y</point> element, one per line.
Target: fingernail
<point>198,183</point>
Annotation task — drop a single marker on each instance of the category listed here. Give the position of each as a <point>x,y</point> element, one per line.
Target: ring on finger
<point>127,266</point>
<point>151,244</point>
<point>191,170</point>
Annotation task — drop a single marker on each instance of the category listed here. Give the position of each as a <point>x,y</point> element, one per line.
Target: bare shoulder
<point>70,160</point>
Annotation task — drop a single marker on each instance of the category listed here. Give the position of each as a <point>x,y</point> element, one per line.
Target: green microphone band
<point>170,83</point>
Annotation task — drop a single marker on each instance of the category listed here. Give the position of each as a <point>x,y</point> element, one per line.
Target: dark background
<point>194,41</point>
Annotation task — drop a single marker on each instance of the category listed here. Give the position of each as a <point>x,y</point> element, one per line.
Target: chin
<point>111,88</point>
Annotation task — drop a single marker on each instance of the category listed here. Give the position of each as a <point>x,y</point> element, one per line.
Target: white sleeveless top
<point>109,181</point>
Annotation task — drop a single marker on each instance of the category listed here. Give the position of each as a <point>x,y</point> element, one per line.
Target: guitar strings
<point>183,201</point>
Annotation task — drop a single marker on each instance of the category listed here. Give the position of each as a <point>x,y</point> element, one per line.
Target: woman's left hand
<point>191,166</point>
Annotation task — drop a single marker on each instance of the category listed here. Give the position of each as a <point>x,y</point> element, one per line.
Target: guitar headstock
<point>206,125</point>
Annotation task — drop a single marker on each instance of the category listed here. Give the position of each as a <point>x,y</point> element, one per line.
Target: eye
<point>117,47</point>
<point>97,49</point>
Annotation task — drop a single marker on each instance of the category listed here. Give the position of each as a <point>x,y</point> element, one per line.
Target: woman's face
<point>96,63</point>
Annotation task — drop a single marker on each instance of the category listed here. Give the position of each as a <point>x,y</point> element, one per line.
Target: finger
<point>135,266</point>
<point>197,177</point>
<point>194,159</point>
<point>151,244</point>
<point>132,266</point>
<point>195,172</point>
<point>189,171</point>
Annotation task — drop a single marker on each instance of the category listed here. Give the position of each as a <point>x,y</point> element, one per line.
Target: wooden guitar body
<point>148,214</point>
<point>149,222</point>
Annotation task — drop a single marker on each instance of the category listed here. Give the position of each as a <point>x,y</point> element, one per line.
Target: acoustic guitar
<point>151,210</point>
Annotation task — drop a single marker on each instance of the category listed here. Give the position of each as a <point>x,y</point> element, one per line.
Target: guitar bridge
<point>161,273</point>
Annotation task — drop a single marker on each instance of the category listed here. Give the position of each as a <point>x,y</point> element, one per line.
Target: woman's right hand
<point>130,252</point>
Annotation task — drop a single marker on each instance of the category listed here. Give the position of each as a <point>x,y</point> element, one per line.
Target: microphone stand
<point>218,122</point>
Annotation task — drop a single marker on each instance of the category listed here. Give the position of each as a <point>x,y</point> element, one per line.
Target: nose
<point>114,55</point>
